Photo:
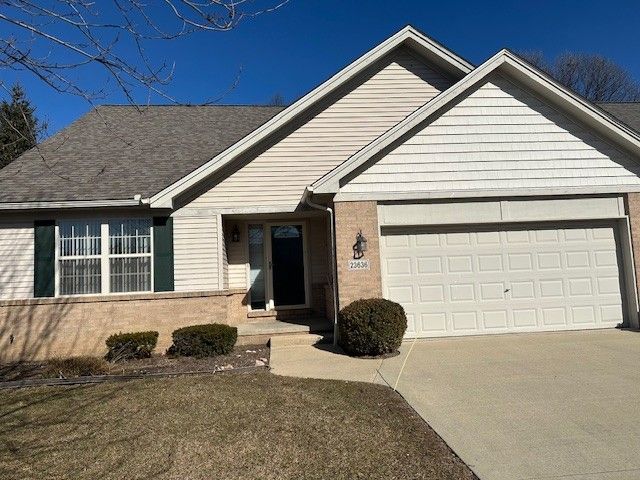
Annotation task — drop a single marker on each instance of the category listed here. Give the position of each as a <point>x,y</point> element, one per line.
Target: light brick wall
<point>63,327</point>
<point>633,210</point>
<point>350,218</point>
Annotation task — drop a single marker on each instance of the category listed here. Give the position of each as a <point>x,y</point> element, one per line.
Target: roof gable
<point>408,37</point>
<point>500,138</point>
<point>275,173</point>
<point>512,67</point>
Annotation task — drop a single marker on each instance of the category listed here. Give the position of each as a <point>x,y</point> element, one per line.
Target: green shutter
<point>163,254</point>
<point>44,272</point>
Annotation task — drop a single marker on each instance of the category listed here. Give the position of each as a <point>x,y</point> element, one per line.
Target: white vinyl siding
<point>237,258</point>
<point>196,253</point>
<point>278,176</point>
<point>225,260</point>
<point>499,137</point>
<point>16,260</point>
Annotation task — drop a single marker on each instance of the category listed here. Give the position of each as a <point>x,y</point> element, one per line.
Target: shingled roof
<point>627,112</point>
<point>116,152</point>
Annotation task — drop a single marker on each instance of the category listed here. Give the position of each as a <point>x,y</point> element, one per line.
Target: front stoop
<point>265,331</point>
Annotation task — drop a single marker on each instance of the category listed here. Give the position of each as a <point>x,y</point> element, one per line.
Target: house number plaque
<point>359,264</point>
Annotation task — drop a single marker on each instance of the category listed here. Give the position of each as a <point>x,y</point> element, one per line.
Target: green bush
<point>205,340</point>
<point>126,346</point>
<point>373,326</point>
<point>75,367</point>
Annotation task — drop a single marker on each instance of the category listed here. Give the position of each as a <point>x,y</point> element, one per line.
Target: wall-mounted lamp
<point>235,234</point>
<point>360,246</point>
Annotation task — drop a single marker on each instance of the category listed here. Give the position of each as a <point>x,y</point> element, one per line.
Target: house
<point>484,199</point>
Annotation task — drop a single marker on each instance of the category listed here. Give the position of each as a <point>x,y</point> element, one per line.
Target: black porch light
<point>235,234</point>
<point>361,245</point>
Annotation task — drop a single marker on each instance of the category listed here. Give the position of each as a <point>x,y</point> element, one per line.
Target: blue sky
<point>293,50</point>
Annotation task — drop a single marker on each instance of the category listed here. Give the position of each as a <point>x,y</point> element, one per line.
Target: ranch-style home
<point>485,199</point>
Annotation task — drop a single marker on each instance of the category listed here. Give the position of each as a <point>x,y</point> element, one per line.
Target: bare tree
<point>55,41</point>
<point>593,76</point>
<point>277,101</point>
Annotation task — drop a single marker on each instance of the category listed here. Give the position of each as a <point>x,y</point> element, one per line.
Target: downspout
<point>334,274</point>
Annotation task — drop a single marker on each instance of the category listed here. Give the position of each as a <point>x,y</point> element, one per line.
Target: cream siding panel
<point>225,260</point>
<point>278,176</point>
<point>237,257</point>
<point>499,137</point>
<point>195,245</point>
<point>16,260</point>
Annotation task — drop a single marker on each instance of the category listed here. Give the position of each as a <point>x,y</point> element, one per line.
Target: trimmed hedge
<point>126,346</point>
<point>205,340</point>
<point>372,327</point>
<point>75,367</point>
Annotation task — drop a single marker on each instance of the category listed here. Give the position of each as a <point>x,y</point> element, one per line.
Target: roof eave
<point>59,204</point>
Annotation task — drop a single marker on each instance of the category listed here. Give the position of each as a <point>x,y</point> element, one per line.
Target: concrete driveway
<point>527,406</point>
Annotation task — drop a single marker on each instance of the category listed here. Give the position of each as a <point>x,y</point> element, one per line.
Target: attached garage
<point>514,276</point>
<point>497,279</point>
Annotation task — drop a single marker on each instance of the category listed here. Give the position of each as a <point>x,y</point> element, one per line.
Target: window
<point>130,255</point>
<point>80,268</point>
<point>99,257</point>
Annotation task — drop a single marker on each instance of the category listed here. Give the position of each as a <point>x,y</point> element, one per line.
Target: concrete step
<point>278,341</point>
<point>276,327</point>
<point>262,331</point>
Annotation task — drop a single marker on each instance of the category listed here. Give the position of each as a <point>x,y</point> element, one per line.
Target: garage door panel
<point>428,265</point>
<point>503,279</point>
<point>434,322</point>
<point>464,321</point>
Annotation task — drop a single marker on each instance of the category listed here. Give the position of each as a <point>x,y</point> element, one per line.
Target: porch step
<point>299,340</point>
<point>263,331</point>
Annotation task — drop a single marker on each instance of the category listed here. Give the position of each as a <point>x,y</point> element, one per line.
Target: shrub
<point>373,326</point>
<point>75,367</point>
<point>204,340</point>
<point>125,346</point>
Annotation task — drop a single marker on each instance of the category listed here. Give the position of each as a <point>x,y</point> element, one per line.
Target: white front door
<point>504,279</point>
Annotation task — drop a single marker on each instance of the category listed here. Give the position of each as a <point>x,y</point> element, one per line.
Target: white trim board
<point>441,57</point>
<point>512,67</point>
<point>451,194</point>
<point>514,210</point>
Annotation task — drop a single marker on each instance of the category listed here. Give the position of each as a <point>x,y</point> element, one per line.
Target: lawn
<point>226,426</point>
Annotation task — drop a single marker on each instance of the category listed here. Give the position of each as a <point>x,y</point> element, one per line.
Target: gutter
<point>135,202</point>
<point>334,274</point>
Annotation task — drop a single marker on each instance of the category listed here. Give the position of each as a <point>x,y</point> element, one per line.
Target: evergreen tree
<point>19,127</point>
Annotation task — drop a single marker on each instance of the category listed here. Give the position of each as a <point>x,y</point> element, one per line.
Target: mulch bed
<point>241,357</point>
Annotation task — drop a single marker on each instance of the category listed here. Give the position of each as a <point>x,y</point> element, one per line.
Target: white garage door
<point>503,279</point>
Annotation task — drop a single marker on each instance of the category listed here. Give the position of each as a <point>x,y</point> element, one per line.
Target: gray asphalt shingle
<point>627,112</point>
<point>116,152</point>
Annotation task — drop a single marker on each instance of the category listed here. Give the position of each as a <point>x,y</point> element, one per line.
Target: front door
<point>287,265</point>
<point>277,265</point>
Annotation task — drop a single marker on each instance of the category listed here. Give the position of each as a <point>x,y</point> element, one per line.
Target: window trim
<point>105,255</point>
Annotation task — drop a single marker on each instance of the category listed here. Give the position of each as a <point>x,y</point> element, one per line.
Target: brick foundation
<point>63,327</point>
<point>350,218</point>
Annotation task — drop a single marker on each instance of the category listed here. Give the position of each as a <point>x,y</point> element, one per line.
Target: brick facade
<point>633,210</point>
<point>63,327</point>
<point>350,218</point>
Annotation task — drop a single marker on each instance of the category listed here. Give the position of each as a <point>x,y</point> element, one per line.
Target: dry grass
<point>225,426</point>
<point>75,367</point>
